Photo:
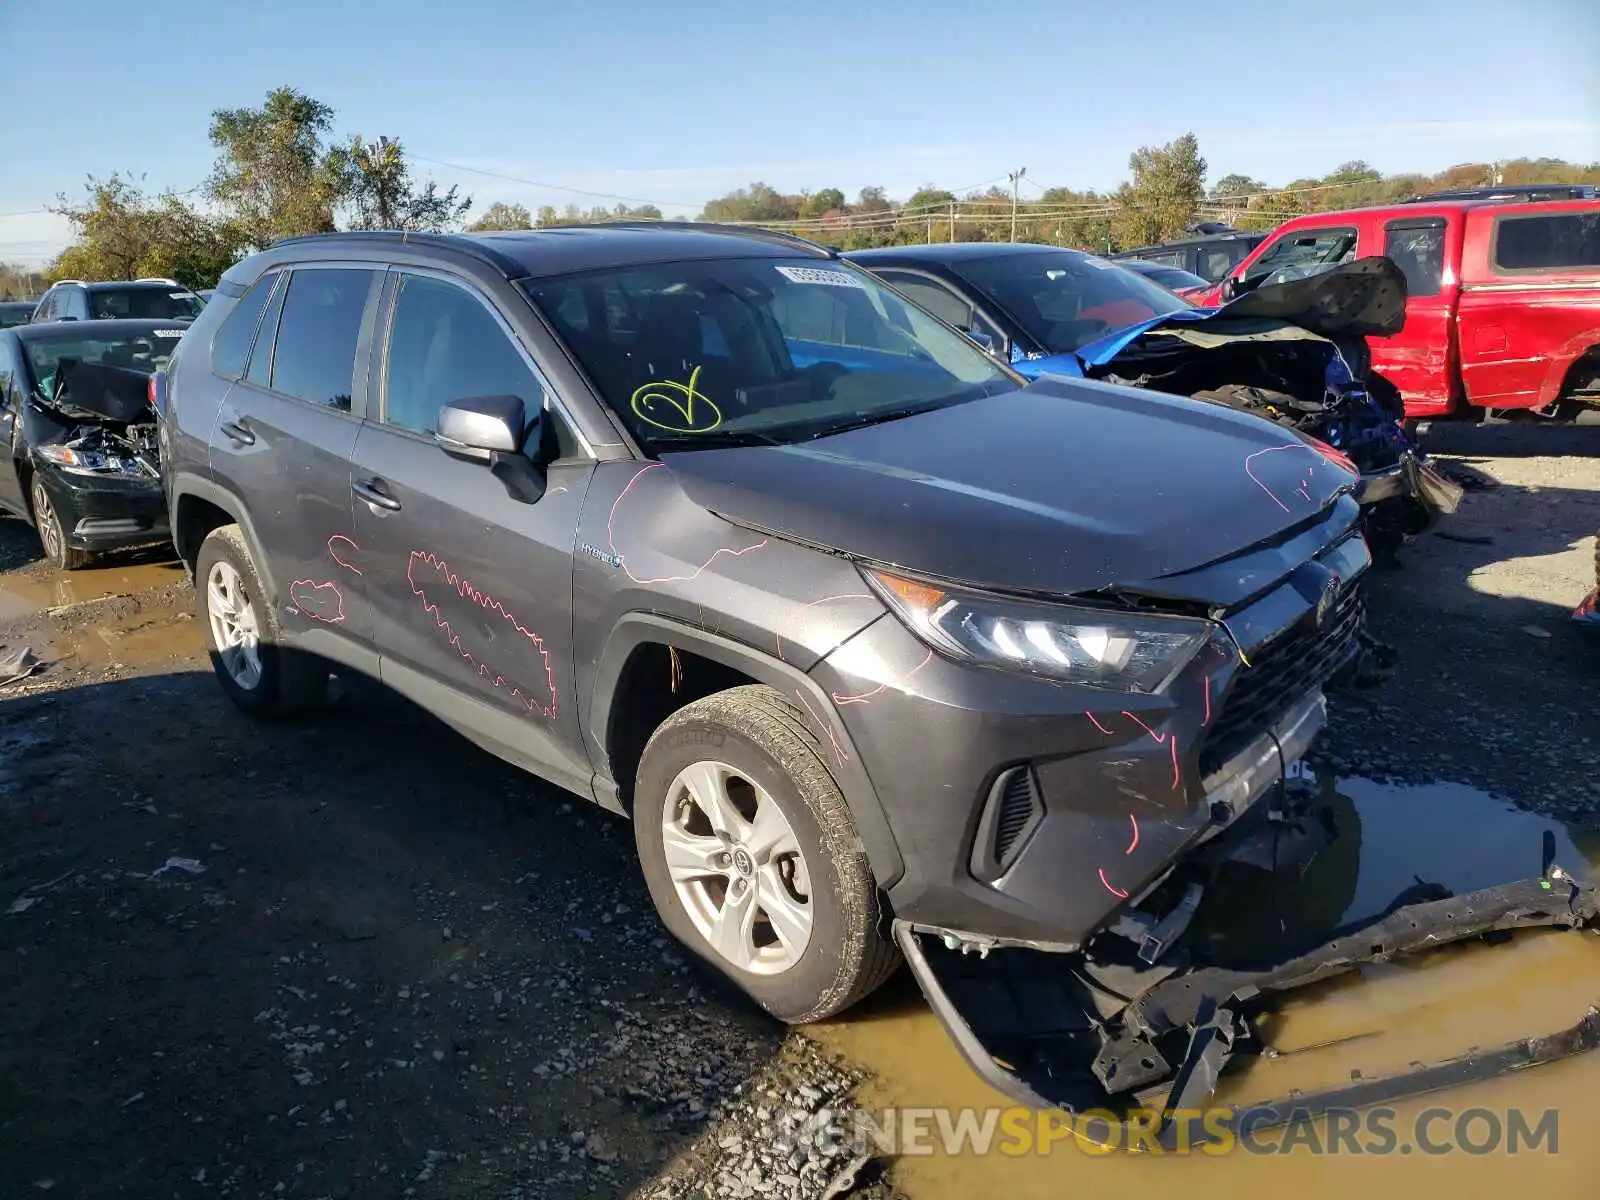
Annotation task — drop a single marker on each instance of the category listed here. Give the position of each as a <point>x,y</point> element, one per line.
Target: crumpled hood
<point>1063,487</point>
<point>1366,297</point>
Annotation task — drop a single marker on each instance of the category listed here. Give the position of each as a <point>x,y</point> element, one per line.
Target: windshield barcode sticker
<point>826,278</point>
<point>165,333</point>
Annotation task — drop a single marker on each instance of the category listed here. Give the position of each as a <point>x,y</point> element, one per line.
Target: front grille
<point>1280,673</point>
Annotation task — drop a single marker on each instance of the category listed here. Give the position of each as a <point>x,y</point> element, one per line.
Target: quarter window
<point>1553,242</point>
<point>445,345</point>
<point>314,357</point>
<point>230,348</point>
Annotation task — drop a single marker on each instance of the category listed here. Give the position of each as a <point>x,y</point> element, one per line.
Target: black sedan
<point>79,434</point>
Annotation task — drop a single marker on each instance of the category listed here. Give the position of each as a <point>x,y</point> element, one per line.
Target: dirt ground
<point>358,958</point>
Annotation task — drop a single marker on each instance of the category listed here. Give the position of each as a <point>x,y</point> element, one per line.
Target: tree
<point>376,185</point>
<point>1167,187</point>
<point>502,216</point>
<point>275,175</point>
<point>822,202</point>
<point>19,282</point>
<point>120,233</point>
<point>1236,185</point>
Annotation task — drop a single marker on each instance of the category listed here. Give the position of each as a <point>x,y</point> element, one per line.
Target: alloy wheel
<point>235,631</point>
<point>48,524</point>
<point>737,868</point>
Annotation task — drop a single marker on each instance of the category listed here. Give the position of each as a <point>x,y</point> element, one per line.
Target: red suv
<point>1503,310</point>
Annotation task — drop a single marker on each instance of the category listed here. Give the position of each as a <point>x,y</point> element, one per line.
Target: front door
<point>471,589</point>
<point>13,383</point>
<point>284,435</point>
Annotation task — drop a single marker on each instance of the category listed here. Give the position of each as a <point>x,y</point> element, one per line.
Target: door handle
<point>373,492</point>
<point>238,432</point>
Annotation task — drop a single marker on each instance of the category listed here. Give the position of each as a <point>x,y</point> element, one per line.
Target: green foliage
<point>502,216</point>
<point>121,233</point>
<point>375,185</point>
<point>275,176</point>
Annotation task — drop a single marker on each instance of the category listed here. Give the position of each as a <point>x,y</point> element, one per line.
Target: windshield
<point>697,354</point>
<point>1063,299</point>
<point>139,351</point>
<point>144,303</point>
<point>14,314</point>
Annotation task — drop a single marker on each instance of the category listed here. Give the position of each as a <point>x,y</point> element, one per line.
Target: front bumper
<point>1031,813</point>
<point>1034,1032</point>
<point>107,512</point>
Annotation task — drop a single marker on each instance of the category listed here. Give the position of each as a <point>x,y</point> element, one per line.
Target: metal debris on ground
<point>18,664</point>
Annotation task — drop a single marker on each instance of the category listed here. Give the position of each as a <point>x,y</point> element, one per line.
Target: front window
<point>1063,299</point>
<point>1298,255</point>
<point>147,351</point>
<point>144,304</point>
<point>698,354</point>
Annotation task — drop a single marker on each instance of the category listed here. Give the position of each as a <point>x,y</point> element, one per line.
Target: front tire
<point>243,637</point>
<point>52,534</point>
<point>752,858</point>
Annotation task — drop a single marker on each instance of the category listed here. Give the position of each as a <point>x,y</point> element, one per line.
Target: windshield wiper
<point>716,439</point>
<point>878,418</point>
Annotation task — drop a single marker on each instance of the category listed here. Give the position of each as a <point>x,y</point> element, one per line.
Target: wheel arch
<point>198,507</point>
<point>613,696</point>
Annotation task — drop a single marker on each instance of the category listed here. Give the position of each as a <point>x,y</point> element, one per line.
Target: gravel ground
<point>360,958</point>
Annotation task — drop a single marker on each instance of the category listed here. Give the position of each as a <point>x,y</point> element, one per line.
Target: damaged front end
<point>1137,1029</point>
<point>1295,353</point>
<point>93,444</point>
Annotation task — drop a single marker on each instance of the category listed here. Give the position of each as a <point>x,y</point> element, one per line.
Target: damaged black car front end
<point>1293,352</point>
<point>84,465</point>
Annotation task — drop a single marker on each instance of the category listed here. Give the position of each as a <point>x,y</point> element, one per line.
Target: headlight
<point>1130,652</point>
<point>92,462</point>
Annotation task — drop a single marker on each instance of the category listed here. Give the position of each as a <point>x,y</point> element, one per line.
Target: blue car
<point>1293,351</point>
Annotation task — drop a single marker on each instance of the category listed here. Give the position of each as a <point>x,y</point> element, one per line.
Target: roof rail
<point>79,282</point>
<point>473,247</point>
<point>748,231</point>
<point>158,279</point>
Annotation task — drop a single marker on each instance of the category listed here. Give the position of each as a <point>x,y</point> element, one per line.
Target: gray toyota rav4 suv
<point>882,647</point>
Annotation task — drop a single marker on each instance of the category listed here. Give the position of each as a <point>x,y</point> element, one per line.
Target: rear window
<point>1547,242</point>
<point>144,304</point>
<point>314,357</point>
<point>1417,248</point>
<point>230,348</point>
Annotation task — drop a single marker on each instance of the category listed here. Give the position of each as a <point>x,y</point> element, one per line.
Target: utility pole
<point>952,220</point>
<point>1016,180</point>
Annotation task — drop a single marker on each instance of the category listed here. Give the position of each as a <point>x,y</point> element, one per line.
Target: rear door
<point>1417,360</point>
<point>1530,300</point>
<point>471,588</point>
<point>282,442</point>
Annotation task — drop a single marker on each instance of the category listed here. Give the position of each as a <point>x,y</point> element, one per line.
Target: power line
<point>555,187</point>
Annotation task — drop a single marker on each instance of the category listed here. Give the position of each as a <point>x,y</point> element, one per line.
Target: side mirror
<point>493,430</point>
<point>481,426</point>
<point>1230,288</point>
<point>984,341</point>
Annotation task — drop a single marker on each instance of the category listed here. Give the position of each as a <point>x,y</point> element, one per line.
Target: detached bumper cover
<point>1200,1018</point>
<point>1414,479</point>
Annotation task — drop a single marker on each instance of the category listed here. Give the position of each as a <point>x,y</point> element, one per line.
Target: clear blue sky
<point>678,101</point>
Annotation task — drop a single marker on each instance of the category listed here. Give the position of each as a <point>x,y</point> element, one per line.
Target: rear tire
<point>773,890</point>
<point>52,535</point>
<point>243,637</point>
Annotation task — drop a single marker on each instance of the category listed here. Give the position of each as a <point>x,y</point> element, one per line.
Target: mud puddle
<point>24,595</point>
<point>1380,1020</point>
